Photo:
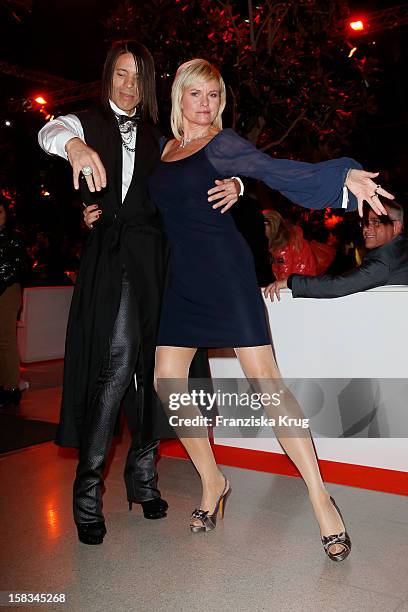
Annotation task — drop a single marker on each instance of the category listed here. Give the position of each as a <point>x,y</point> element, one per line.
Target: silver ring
<point>87,171</point>
<point>376,189</point>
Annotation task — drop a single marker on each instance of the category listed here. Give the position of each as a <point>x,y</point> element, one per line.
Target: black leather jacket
<point>12,257</point>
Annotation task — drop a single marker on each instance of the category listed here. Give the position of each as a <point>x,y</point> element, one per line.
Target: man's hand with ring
<point>81,156</point>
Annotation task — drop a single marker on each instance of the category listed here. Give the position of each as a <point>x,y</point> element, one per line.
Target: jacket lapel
<point>146,156</point>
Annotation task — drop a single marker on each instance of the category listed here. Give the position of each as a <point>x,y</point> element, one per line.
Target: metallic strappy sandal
<point>343,539</point>
<point>209,521</point>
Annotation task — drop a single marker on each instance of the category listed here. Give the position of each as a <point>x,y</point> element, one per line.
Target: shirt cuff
<point>345,201</point>
<point>61,140</point>
<point>55,140</point>
<point>241,184</point>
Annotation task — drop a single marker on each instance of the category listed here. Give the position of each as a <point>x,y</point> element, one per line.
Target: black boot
<point>153,509</point>
<point>87,491</point>
<point>91,533</point>
<point>141,481</point>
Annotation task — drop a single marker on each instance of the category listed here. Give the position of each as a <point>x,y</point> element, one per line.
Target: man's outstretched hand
<point>274,289</point>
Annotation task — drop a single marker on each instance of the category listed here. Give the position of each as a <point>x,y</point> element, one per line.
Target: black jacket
<point>129,235</point>
<point>12,258</point>
<point>384,265</point>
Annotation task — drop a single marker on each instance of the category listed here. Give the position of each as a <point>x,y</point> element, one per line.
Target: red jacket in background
<point>296,257</point>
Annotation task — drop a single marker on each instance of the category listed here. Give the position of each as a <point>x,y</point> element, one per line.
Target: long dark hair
<point>146,76</point>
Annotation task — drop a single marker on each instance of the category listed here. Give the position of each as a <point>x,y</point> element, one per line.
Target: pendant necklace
<point>185,141</point>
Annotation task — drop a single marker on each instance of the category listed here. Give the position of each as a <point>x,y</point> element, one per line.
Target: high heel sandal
<point>342,539</point>
<point>209,521</point>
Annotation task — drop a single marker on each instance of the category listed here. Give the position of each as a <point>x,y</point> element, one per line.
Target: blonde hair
<point>196,70</point>
<point>280,232</point>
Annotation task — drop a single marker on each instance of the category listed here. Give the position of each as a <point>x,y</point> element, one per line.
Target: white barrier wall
<point>364,335</point>
<point>359,336</point>
<point>43,323</point>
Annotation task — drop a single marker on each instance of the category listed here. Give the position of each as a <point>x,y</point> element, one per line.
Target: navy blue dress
<point>212,298</point>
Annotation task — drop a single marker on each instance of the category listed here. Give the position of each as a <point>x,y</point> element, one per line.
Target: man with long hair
<point>116,304</point>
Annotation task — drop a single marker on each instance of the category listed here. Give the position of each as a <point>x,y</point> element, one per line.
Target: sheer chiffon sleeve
<point>309,185</point>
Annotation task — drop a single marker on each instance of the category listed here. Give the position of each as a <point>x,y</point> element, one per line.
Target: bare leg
<point>173,363</point>
<point>259,363</point>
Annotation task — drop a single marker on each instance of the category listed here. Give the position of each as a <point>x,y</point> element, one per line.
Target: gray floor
<point>265,555</point>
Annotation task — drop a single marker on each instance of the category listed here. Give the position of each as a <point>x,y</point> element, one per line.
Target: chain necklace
<point>127,138</point>
<point>127,130</point>
<point>126,145</point>
<point>185,141</point>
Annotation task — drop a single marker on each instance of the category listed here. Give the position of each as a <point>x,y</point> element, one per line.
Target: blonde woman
<point>212,298</point>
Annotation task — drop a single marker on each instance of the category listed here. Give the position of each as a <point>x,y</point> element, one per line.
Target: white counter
<point>361,336</point>
<point>43,323</point>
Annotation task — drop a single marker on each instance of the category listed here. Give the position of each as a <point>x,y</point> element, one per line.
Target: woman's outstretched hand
<point>365,189</point>
<point>274,289</point>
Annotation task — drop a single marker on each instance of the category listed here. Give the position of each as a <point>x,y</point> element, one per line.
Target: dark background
<point>69,39</point>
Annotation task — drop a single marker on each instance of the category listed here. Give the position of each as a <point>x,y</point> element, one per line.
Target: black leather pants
<point>115,376</point>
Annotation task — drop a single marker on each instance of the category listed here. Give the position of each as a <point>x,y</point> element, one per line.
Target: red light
<point>40,100</point>
<point>357,26</point>
<point>332,221</point>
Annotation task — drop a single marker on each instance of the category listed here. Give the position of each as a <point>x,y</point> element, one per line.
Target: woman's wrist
<point>347,176</point>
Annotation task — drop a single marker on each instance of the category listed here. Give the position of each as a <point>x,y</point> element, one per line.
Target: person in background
<point>12,258</point>
<point>289,250</point>
<point>385,264</point>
